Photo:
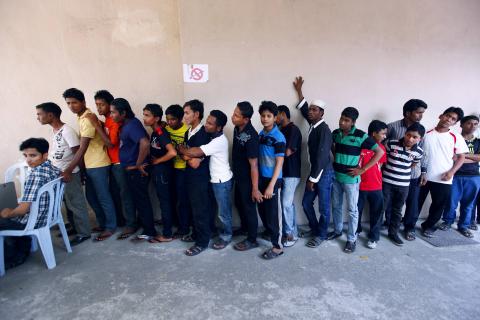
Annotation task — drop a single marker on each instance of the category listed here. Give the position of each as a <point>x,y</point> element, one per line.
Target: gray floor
<point>123,280</point>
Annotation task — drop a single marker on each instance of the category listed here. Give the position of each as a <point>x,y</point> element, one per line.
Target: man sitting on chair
<point>35,151</point>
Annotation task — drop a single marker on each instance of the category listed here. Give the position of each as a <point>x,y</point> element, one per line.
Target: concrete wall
<point>372,54</point>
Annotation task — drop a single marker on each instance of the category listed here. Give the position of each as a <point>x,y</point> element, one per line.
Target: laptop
<point>8,196</point>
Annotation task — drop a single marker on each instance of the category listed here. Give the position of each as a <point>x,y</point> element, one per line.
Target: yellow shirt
<point>96,155</point>
<point>178,137</point>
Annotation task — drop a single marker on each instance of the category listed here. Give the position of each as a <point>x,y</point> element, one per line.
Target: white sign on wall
<point>195,73</point>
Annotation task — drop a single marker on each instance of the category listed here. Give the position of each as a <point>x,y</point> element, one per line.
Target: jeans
<point>289,221</point>
<point>223,197</point>
<point>394,197</point>
<point>162,176</point>
<point>246,207</point>
<point>99,197</point>
<point>75,202</point>
<point>375,202</point>
<point>464,190</point>
<point>322,190</point>
<point>121,185</point>
<point>198,200</point>
<point>138,186</point>
<point>269,213</point>
<point>412,211</point>
<point>182,208</point>
<point>440,193</point>
<point>351,191</point>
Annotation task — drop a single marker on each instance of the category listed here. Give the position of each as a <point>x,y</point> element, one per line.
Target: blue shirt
<point>131,133</point>
<point>271,145</point>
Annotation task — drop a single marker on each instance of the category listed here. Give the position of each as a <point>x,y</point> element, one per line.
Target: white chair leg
<point>45,241</point>
<point>34,246</point>
<point>65,236</point>
<point>2,261</point>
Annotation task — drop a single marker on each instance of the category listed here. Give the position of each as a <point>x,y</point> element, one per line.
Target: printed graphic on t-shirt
<point>243,138</point>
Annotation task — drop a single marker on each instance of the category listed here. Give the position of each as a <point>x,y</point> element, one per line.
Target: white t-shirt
<point>60,152</point>
<point>217,149</point>
<point>439,150</point>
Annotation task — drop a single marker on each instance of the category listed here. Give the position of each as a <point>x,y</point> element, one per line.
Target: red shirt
<point>372,178</point>
<point>112,129</point>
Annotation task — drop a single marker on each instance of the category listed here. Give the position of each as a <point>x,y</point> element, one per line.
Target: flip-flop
<point>194,250</point>
<point>159,239</point>
<point>103,236</point>
<point>270,254</point>
<point>245,245</point>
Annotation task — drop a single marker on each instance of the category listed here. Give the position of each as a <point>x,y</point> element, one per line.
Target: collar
<point>87,111</point>
<point>317,124</point>
<point>192,132</point>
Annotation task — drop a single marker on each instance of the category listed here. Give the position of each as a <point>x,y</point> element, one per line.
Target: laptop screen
<point>8,196</point>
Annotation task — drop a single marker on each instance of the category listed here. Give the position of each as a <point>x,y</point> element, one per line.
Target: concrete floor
<point>123,280</point>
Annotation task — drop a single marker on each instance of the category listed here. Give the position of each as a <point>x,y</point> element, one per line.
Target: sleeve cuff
<point>316,179</point>
<point>301,103</point>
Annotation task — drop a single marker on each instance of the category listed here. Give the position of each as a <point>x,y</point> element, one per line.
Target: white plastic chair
<point>19,171</point>
<point>54,190</point>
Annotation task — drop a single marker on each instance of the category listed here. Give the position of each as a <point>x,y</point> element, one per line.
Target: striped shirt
<point>271,145</point>
<point>347,149</point>
<point>398,168</point>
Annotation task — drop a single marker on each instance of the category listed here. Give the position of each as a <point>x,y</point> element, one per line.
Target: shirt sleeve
<point>279,147</point>
<point>460,145</point>
<point>252,147</point>
<point>213,147</point>
<point>137,132</point>
<point>368,143</point>
<point>114,134</point>
<point>87,130</point>
<point>71,137</point>
<point>31,187</point>
<point>295,136</point>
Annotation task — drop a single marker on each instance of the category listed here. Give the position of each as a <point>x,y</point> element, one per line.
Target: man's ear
<point>45,156</point>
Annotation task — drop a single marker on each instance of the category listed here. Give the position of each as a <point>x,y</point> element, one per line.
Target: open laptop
<point>8,196</point>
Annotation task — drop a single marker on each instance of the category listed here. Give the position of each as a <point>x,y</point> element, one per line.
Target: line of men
<point>389,167</point>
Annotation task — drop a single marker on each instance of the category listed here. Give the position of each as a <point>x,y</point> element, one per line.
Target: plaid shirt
<point>38,177</point>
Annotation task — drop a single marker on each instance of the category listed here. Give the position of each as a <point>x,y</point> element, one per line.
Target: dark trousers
<point>477,219</point>
<point>375,202</point>
<point>199,202</point>
<point>184,214</point>
<point>138,186</point>
<point>246,208</point>
<point>269,213</point>
<point>15,248</point>
<point>162,175</point>
<point>395,197</point>
<point>440,193</point>
<point>412,211</point>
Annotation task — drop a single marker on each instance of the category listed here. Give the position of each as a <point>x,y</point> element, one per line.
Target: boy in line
<point>348,141</point>
<point>220,173</point>
<point>97,166</point>
<point>271,155</point>
<point>291,174</point>
<point>65,144</point>
<point>444,155</point>
<point>320,179</point>
<point>402,156</point>
<point>371,185</point>
<point>466,182</point>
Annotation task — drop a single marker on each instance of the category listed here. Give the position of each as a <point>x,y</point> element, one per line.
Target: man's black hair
<point>220,118</point>
<point>467,118</point>
<point>104,95</point>
<point>246,109</point>
<point>50,107</point>
<point>155,109</point>
<point>412,105</point>
<point>123,106</point>
<point>376,126</point>
<point>196,106</point>
<point>175,110</point>
<point>284,109</point>
<point>417,127</point>
<point>350,112</point>
<point>36,143</point>
<point>74,93</point>
<point>456,110</point>
<point>268,106</point>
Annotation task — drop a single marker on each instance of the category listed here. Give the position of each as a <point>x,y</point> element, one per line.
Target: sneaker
<point>333,235</point>
<point>289,241</point>
<point>395,239</point>
<point>445,226</point>
<point>371,244</point>
<point>350,246</point>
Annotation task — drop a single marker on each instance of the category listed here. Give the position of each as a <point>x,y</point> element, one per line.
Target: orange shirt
<point>112,128</point>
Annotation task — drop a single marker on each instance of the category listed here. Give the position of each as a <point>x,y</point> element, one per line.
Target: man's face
<point>149,119</point>
<point>75,105</point>
<point>416,115</point>
<point>103,107</point>
<point>315,113</point>
<point>280,118</point>
<point>469,126</point>
<point>379,136</point>
<point>116,116</point>
<point>345,123</point>
<point>411,138</point>
<point>44,117</point>
<point>448,119</point>
<point>33,157</point>
<point>267,118</point>
<point>188,115</point>
<point>237,118</point>
<point>173,122</point>
<point>211,125</point>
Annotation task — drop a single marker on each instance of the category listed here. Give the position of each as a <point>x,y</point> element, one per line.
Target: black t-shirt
<point>158,144</point>
<point>200,138</point>
<point>470,169</point>
<point>292,164</point>
<point>245,146</point>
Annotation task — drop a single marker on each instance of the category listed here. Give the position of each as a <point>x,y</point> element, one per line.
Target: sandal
<point>220,244</point>
<point>98,230</point>
<point>127,232</point>
<point>187,238</point>
<point>179,235</point>
<point>314,242</point>
<point>159,239</point>
<point>304,234</point>
<point>194,250</point>
<point>103,236</point>
<point>141,238</point>
<point>245,245</point>
<point>466,233</point>
<point>473,227</point>
<point>410,236</point>
<point>270,254</point>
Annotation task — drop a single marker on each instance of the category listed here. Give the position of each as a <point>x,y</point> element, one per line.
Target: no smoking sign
<point>195,73</point>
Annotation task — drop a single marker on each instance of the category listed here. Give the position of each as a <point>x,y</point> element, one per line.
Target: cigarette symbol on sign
<point>196,73</point>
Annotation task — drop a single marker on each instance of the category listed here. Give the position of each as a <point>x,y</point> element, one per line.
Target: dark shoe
<point>79,239</point>
<point>194,250</point>
<point>466,233</point>
<point>445,226</point>
<point>395,239</point>
<point>350,247</point>
<point>270,254</point>
<point>428,233</point>
<point>473,227</point>
<point>333,235</point>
